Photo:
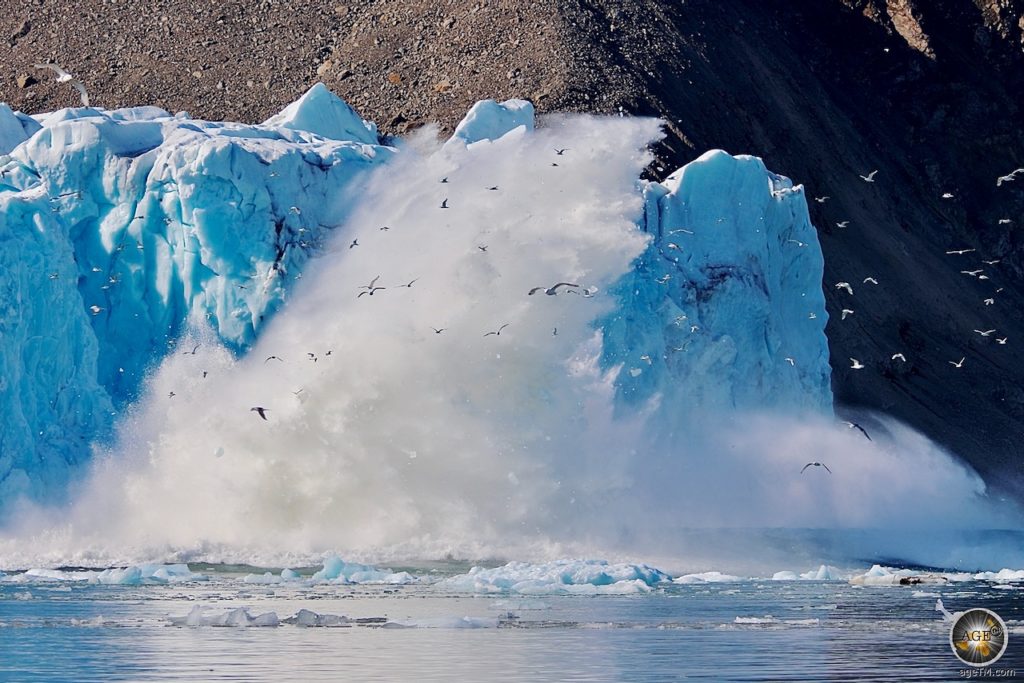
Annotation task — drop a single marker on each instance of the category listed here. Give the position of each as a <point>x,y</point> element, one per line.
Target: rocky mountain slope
<point>927,93</point>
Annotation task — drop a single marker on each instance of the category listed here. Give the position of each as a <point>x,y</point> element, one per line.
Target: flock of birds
<point>371,288</point>
<point>978,273</point>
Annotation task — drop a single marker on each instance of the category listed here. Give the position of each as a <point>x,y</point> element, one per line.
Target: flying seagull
<point>445,179</point>
<point>493,187</point>
<point>947,195</point>
<point>64,77</point>
<point>816,464</point>
<point>1008,177</point>
<point>985,333</point>
<point>407,285</point>
<point>438,330</point>
<point>842,224</point>
<point>498,331</point>
<point>959,252</point>
<point>482,247</point>
<point>822,200</point>
<point>551,291</point>
<point>790,361</point>
<point>993,262</point>
<point>1005,221</point>
<point>846,286</point>
<point>192,352</point>
<point>870,177</point>
<point>899,356</point>
<point>260,410</point>
<point>1001,341</point>
<point>444,203</point>
<point>846,312</point>
<point>958,364</point>
<point>370,288</point>
<point>562,151</point>
<point>95,309</point>
<point>856,364</point>
<point>854,425</point>
<point>989,301</point>
<point>871,280</point>
<point>270,358</point>
<point>973,273</point>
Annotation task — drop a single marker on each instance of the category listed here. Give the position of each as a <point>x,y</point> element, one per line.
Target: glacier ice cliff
<point>725,308</point>
<point>120,228</point>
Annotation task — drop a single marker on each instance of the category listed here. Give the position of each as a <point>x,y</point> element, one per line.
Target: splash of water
<point>386,438</point>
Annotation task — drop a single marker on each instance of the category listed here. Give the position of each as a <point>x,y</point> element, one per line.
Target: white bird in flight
<point>899,356</point>
<point>64,77</point>
<point>1001,341</point>
<point>822,200</point>
<point>856,364</point>
<point>959,252</point>
<point>842,224</point>
<point>870,177</point>
<point>958,364</point>
<point>846,286</point>
<point>973,273</point>
<point>947,195</point>
<point>986,333</point>
<point>989,301</point>
<point>871,280</point>
<point>846,312</point>
<point>790,361</point>
<point>1008,177</point>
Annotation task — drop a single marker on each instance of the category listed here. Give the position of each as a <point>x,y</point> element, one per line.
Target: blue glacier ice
<point>729,288</point>
<point>490,120</point>
<point>119,227</point>
<point>123,228</point>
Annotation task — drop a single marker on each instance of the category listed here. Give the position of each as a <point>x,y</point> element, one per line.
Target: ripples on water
<point>791,631</point>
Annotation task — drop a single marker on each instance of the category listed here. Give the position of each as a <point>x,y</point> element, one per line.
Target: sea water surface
<point>749,630</point>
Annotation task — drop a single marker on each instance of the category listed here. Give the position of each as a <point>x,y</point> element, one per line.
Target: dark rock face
<point>927,93</point>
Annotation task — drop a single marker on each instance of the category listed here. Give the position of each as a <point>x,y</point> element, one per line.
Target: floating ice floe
<point>880,576</point>
<point>706,577</point>
<point>1001,575</point>
<point>579,577</point>
<point>307,618</point>
<point>269,578</point>
<point>822,573</point>
<point>132,576</point>
<point>239,618</point>
<point>337,570</point>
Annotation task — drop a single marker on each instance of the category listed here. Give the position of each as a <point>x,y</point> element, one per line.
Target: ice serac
<point>490,120</point>
<point>118,228</point>
<point>323,113</point>
<point>725,308</point>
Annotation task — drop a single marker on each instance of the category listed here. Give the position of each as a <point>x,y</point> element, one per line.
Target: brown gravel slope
<point>929,93</point>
